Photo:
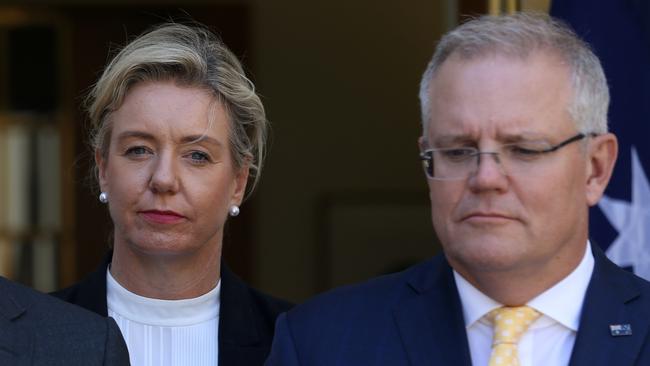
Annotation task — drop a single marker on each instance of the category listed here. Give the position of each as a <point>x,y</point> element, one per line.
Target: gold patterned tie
<point>509,324</point>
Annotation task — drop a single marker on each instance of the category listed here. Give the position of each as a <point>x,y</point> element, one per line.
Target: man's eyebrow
<point>452,139</point>
<point>446,140</point>
<point>524,136</point>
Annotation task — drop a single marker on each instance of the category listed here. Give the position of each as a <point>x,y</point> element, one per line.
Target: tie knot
<point>510,323</point>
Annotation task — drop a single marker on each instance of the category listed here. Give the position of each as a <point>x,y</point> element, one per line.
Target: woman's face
<point>169,174</point>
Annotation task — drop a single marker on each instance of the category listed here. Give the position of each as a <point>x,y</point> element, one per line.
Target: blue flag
<point>619,33</point>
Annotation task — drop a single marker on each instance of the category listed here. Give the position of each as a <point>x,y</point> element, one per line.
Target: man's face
<point>496,222</point>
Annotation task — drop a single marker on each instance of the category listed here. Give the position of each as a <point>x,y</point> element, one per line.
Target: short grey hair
<point>519,35</point>
<point>189,56</point>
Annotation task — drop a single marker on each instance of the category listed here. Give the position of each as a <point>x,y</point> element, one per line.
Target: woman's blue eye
<point>138,150</point>
<point>199,156</point>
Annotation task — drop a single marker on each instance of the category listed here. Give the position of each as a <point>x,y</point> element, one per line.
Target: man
<point>516,149</point>
<point>39,330</point>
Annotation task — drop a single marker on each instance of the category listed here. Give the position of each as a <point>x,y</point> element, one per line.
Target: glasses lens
<point>453,163</point>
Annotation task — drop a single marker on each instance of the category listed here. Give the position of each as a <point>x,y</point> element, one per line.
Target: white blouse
<point>166,332</point>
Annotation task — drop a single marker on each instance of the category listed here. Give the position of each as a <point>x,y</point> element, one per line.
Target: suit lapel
<point>431,322</point>
<point>90,293</point>
<point>612,298</point>
<point>15,342</point>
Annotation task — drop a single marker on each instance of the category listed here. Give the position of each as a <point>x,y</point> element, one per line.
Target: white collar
<point>571,290</point>
<point>169,313</point>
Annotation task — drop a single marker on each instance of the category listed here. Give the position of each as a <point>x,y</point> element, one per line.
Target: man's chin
<point>486,254</point>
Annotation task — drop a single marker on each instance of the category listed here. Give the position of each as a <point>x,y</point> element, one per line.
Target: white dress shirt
<point>550,339</point>
<point>166,332</point>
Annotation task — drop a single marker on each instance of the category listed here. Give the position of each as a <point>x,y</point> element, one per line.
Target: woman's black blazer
<point>246,316</point>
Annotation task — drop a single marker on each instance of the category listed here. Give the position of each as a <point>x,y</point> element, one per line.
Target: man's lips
<point>488,217</point>
<point>162,217</point>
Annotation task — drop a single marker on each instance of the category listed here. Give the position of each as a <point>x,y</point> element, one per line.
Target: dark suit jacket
<point>36,329</point>
<point>415,318</point>
<point>246,316</point>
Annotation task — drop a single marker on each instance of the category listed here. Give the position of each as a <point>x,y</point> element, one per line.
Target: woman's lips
<point>162,217</point>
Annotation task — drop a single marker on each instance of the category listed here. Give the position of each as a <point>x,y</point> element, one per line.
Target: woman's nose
<point>164,175</point>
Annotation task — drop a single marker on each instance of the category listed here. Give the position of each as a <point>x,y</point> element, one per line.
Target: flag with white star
<point>619,33</point>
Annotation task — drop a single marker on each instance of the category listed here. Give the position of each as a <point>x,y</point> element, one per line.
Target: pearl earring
<point>103,197</point>
<point>233,211</point>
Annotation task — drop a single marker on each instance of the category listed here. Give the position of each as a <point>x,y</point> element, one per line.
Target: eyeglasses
<point>520,158</point>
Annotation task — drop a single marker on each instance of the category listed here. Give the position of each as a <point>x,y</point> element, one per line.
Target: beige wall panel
<point>536,5</point>
<point>340,80</point>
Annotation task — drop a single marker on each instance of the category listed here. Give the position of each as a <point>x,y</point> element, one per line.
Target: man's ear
<point>422,144</point>
<point>100,162</point>
<point>602,154</point>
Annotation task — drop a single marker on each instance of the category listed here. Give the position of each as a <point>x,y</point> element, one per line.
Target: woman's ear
<point>241,180</point>
<point>100,162</point>
<point>602,154</point>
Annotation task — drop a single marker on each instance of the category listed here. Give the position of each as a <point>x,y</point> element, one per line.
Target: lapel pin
<point>618,330</point>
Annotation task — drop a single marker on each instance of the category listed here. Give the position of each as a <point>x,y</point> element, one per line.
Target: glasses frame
<point>427,155</point>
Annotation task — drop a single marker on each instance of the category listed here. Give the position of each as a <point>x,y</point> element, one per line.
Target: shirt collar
<point>168,313</point>
<point>571,290</point>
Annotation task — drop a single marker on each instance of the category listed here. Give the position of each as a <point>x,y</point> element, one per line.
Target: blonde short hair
<point>190,56</point>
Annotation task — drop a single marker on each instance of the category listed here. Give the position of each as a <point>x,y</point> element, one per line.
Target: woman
<point>178,132</point>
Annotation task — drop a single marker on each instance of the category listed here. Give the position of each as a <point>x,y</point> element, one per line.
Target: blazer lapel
<point>92,291</point>
<point>431,322</point>
<point>15,342</point>
<point>239,337</point>
<point>612,299</point>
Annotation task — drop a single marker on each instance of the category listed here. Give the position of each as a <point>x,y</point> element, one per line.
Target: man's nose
<point>490,173</point>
